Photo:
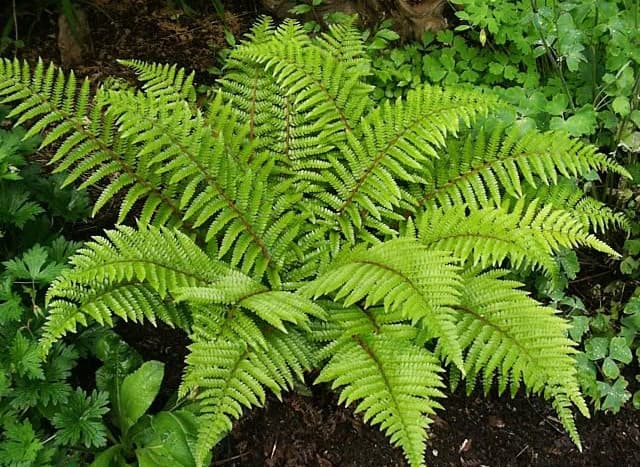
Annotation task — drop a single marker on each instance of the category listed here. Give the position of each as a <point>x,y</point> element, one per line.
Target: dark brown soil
<point>149,30</point>
<point>313,430</point>
<point>308,428</point>
<point>472,431</point>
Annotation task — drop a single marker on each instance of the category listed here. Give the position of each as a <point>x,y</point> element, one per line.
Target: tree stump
<point>411,18</point>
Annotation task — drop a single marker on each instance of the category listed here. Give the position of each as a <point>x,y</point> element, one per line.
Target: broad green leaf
<point>621,106</point>
<point>610,368</point>
<point>558,104</point>
<point>629,265</point>
<point>138,391</point>
<point>108,458</point>
<point>633,247</point>
<point>615,395</point>
<point>167,440</point>
<point>579,326</point>
<point>584,122</point>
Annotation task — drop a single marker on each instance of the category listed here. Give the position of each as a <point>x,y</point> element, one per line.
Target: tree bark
<point>411,18</point>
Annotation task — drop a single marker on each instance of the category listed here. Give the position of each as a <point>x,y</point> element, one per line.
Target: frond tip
<point>396,383</point>
<point>506,333</point>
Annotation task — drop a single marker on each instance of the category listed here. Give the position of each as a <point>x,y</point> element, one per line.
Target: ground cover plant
<point>46,418</point>
<point>573,65</point>
<point>39,407</point>
<point>291,224</point>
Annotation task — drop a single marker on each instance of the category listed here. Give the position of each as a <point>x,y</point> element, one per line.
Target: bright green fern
<point>291,224</point>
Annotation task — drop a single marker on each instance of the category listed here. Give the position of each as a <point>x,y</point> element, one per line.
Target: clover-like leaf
<point>619,350</point>
<point>596,348</point>
<point>610,368</point>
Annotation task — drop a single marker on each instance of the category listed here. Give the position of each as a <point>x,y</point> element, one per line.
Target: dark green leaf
<point>610,369</point>
<point>579,326</point>
<point>620,351</point>
<point>596,348</point>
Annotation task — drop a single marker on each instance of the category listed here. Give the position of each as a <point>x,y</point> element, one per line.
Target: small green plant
<point>163,438</point>
<point>33,208</point>
<point>36,394</point>
<point>610,339</point>
<point>291,224</point>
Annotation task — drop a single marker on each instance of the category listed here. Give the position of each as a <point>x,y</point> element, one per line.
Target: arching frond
<point>393,143</point>
<point>396,384</point>
<point>344,42</point>
<point>508,334</point>
<point>218,193</point>
<point>566,195</point>
<point>272,306</point>
<point>164,81</point>
<point>490,163</point>
<point>224,375</point>
<point>129,274</point>
<point>527,234</point>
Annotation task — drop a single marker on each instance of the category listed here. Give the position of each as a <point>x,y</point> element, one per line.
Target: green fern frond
<point>490,163</point>
<point>344,42</point>
<point>163,80</point>
<point>342,323</point>
<point>46,95</point>
<point>90,147</point>
<point>329,92</point>
<point>219,193</point>
<point>594,214</point>
<point>404,276</point>
<point>391,147</point>
<point>505,332</point>
<point>129,274</point>
<point>272,306</point>
<point>226,375</point>
<point>528,234</point>
<point>396,383</point>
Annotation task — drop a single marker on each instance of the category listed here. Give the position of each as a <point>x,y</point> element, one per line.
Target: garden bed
<point>312,429</point>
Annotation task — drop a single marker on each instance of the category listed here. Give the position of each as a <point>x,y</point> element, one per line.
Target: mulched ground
<point>308,428</point>
<point>312,430</point>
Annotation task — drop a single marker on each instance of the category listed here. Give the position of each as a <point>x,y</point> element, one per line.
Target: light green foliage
<point>573,66</point>
<point>289,225</point>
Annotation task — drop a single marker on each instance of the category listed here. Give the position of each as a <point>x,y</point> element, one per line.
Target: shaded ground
<point>312,430</point>
<point>149,30</point>
<point>472,431</point>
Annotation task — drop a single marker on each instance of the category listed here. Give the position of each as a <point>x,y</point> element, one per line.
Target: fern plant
<point>291,224</point>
